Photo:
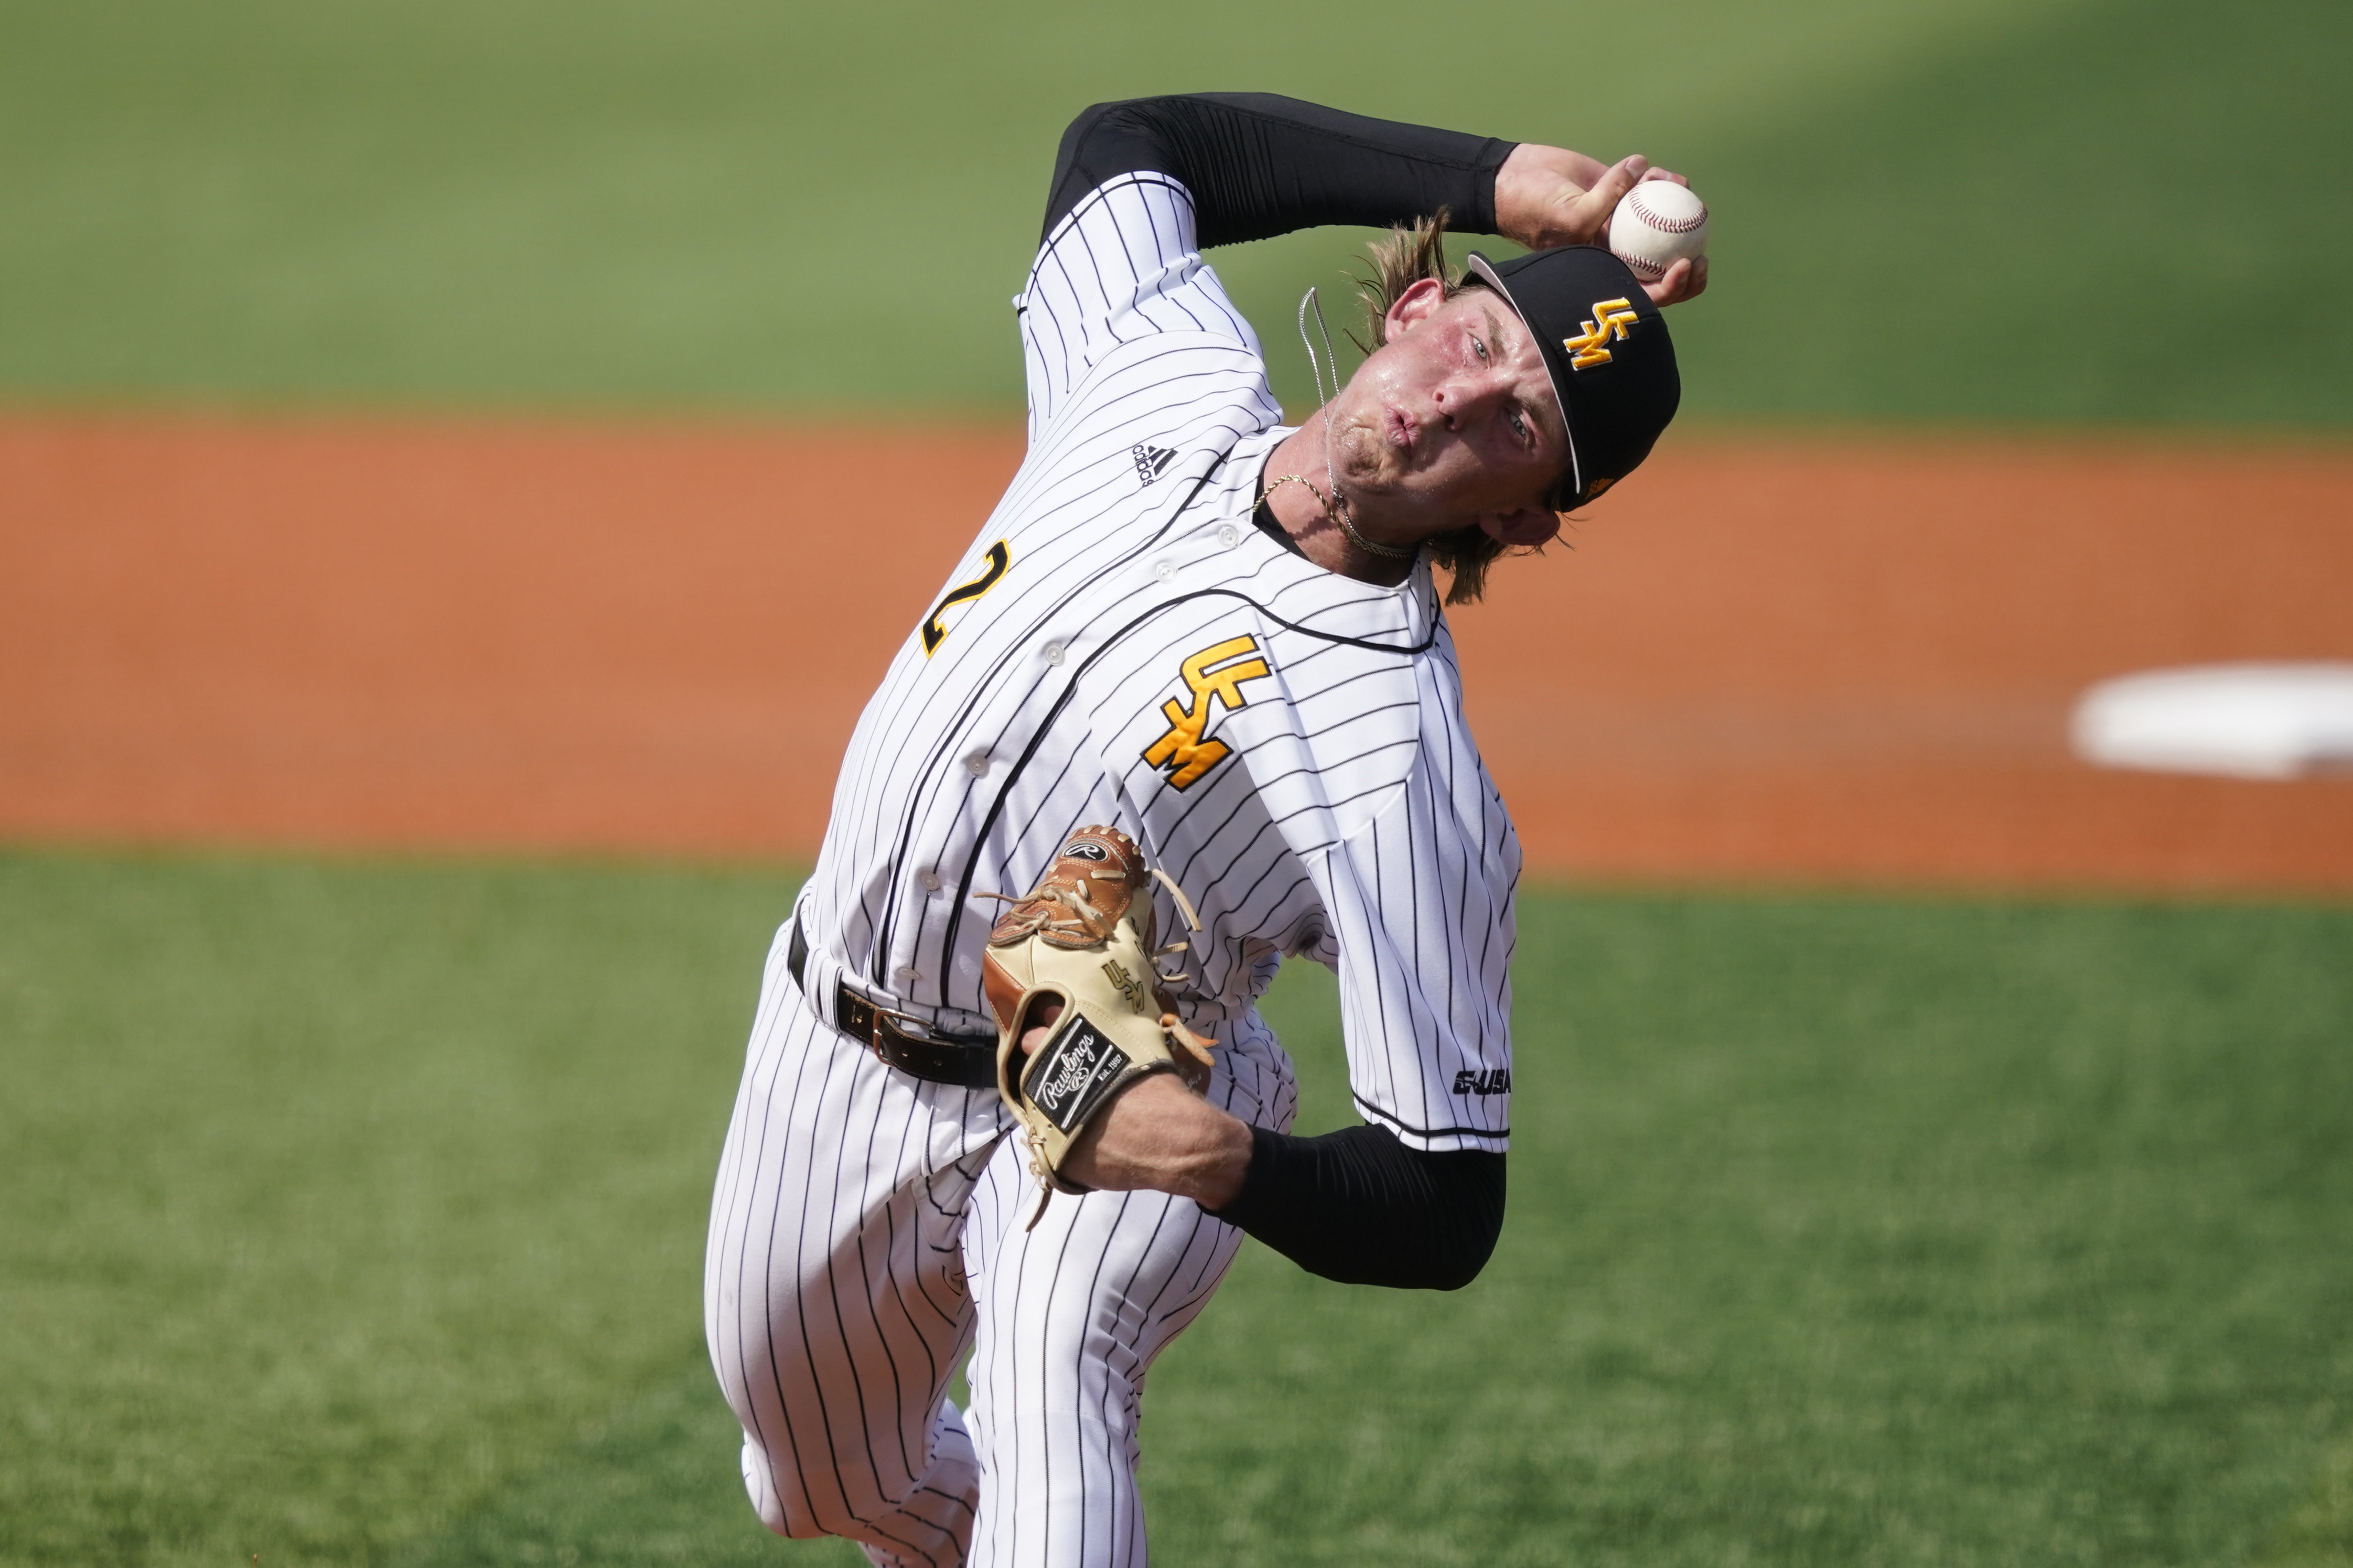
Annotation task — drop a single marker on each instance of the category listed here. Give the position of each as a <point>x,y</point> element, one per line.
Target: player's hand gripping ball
<point>1081,941</point>
<point>1656,225</point>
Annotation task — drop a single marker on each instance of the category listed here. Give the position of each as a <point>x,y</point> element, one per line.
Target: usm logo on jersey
<point>1491,1081</point>
<point>1591,347</point>
<point>1216,671</point>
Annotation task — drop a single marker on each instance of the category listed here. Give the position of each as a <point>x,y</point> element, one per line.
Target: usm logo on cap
<point>1591,347</point>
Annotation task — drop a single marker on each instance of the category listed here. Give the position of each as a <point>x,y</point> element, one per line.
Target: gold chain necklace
<point>1335,507</point>
<point>1337,511</point>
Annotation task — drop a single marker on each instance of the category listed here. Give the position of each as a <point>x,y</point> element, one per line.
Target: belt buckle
<point>892,1019</point>
<point>897,1039</point>
<point>921,1031</point>
<point>921,1034</point>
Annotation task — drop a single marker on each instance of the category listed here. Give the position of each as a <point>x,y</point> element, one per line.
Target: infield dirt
<point>1775,657</point>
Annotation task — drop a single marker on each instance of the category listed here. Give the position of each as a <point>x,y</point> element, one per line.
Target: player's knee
<point>796,1524</point>
<point>780,1504</point>
<point>787,1509</point>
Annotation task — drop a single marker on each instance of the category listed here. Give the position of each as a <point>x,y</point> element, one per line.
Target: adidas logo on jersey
<point>1149,460</point>
<point>1494,1081</point>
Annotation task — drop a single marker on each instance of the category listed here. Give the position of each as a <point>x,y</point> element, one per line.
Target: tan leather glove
<point>1082,939</point>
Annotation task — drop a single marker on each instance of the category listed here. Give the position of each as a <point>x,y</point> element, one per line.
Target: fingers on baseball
<point>1593,208</point>
<point>1623,177</point>
<point>1686,279</point>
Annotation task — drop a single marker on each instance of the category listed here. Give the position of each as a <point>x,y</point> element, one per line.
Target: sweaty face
<point>1452,422</point>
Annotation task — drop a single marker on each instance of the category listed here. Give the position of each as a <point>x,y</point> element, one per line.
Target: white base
<point>2243,720</point>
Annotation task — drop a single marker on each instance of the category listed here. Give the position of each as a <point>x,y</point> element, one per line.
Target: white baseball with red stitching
<point>1657,224</point>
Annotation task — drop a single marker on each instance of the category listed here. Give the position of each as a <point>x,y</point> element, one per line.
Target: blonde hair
<point>1406,258</point>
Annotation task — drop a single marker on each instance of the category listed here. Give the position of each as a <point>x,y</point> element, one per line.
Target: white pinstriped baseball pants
<point>866,1232</point>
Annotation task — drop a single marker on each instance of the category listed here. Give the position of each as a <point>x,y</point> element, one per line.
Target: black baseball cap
<point>1606,346</point>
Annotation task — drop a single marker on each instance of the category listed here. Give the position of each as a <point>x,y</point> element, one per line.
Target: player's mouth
<point>1400,429</point>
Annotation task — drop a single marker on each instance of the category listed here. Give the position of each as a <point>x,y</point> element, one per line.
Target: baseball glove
<point>1083,939</point>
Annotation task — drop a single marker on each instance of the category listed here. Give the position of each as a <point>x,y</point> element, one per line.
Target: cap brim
<point>1486,275</point>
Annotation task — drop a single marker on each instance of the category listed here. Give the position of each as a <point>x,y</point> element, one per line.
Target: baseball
<point>1657,224</point>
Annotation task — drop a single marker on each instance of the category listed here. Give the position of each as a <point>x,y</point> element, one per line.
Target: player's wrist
<point>1537,193</point>
<point>1161,1136</point>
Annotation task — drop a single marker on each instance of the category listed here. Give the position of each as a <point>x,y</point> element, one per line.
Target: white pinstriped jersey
<point>1120,645</point>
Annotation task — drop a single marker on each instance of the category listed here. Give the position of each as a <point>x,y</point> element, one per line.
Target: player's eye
<point>1519,425</point>
<point>1480,349</point>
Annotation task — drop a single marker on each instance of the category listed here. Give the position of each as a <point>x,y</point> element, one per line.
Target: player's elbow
<point>1360,1207</point>
<point>1104,136</point>
<point>1462,1256</point>
<point>1105,141</point>
<point>1115,117</point>
<point>1442,1236</point>
<point>1467,1223</point>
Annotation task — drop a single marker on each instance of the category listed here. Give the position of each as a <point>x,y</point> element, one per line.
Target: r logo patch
<point>1182,751</point>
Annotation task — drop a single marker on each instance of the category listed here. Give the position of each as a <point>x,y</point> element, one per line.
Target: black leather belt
<point>968,1062</point>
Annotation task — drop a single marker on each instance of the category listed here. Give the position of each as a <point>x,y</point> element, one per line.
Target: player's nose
<point>1468,396</point>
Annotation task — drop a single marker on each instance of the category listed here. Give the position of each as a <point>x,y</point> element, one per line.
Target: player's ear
<point>1528,526</point>
<point>1417,304</point>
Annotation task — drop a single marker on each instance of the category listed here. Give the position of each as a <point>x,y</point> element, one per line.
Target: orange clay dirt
<point>1785,657</point>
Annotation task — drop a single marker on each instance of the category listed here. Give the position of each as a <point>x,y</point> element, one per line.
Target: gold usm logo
<point>1182,749</point>
<point>1125,984</point>
<point>1591,347</point>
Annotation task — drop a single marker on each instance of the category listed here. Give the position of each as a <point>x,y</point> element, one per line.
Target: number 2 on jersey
<point>935,632</point>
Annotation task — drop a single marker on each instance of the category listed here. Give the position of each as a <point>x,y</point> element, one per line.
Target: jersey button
<point>905,974</point>
<point>1054,652</point>
<point>976,764</point>
<point>1164,570</point>
<point>930,880</point>
<point>1228,535</point>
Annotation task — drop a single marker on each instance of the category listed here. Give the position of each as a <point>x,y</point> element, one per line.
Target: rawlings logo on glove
<point>1075,956</point>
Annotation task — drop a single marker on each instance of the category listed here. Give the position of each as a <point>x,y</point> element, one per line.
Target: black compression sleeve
<point>1258,164</point>
<point>1358,1206</point>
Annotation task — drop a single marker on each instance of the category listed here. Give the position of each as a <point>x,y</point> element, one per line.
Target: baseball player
<point>1186,708</point>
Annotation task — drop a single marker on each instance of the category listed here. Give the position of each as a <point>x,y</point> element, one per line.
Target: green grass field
<point>355,1210</point>
<point>2092,210</point>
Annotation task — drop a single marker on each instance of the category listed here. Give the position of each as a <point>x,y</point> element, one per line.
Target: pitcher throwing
<point>1187,707</point>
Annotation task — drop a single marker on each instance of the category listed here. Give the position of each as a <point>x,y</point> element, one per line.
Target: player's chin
<point>1356,445</point>
<point>1378,467</point>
